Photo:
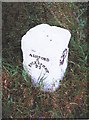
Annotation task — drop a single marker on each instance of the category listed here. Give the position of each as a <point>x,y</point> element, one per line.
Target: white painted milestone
<point>45,55</point>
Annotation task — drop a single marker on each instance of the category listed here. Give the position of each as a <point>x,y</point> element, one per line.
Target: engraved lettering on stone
<point>64,54</point>
<point>37,63</point>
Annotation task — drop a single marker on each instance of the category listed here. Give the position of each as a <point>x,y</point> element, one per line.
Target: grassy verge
<point>20,98</point>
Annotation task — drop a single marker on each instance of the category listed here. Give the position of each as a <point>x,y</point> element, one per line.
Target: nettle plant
<point>45,55</point>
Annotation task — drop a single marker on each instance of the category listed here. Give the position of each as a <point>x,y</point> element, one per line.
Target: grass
<point>20,98</point>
